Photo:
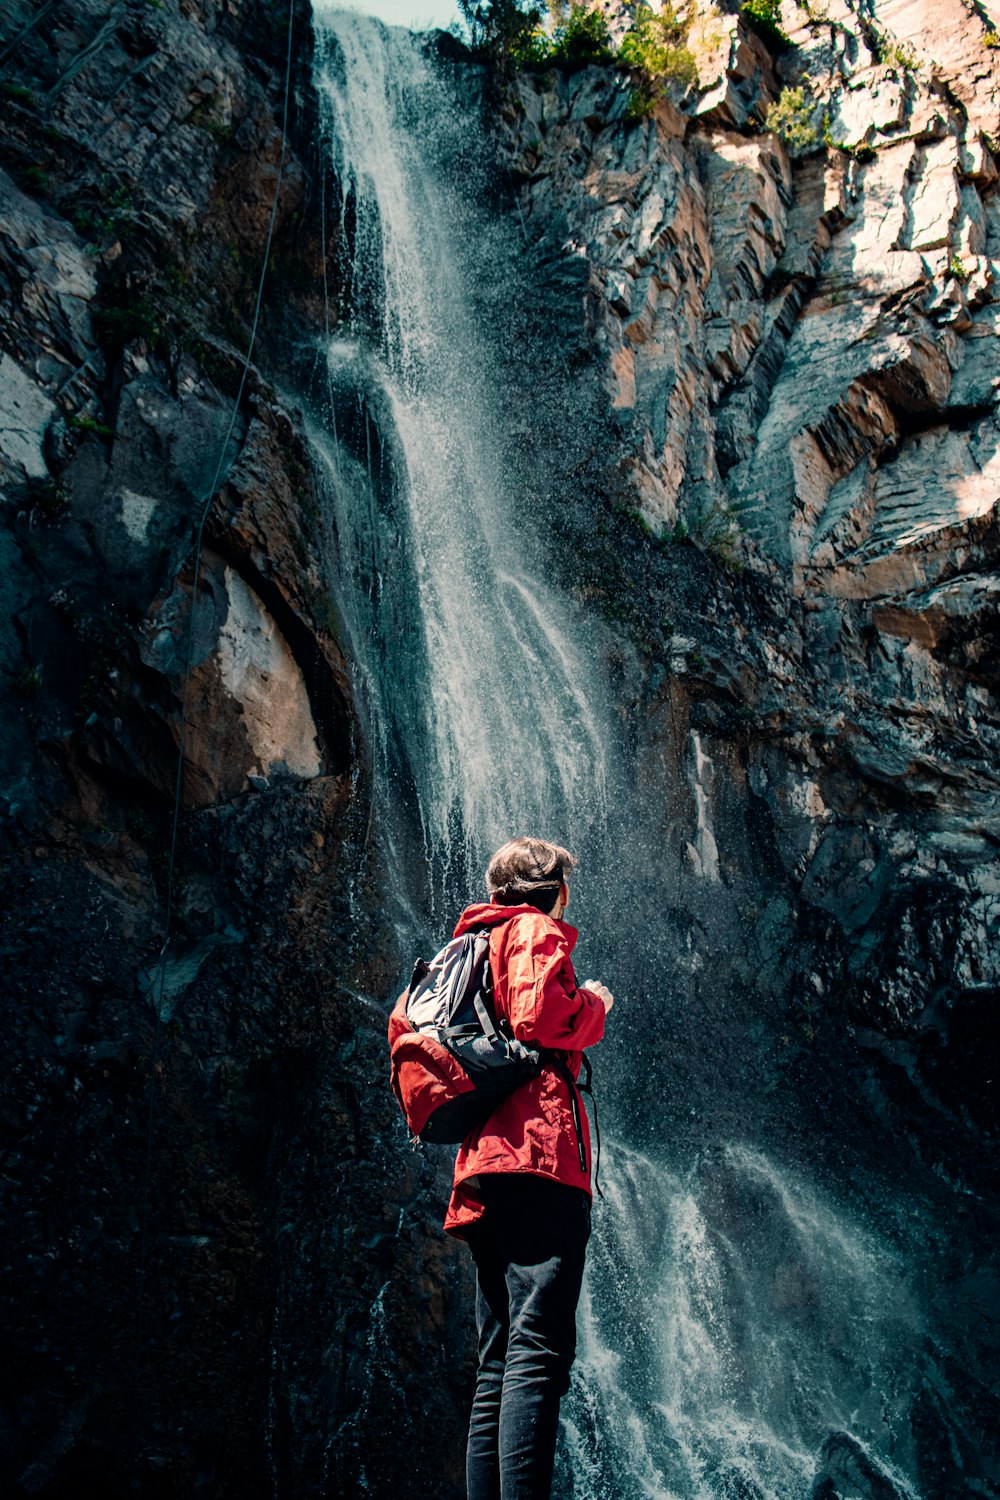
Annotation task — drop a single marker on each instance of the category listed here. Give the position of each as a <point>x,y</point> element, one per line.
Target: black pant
<point>529,1250</point>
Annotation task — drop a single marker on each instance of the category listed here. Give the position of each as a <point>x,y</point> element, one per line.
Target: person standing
<point>522,1185</point>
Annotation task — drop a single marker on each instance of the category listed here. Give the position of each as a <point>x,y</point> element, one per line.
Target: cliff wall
<point>797,343</point>
<point>188,1308</point>
<point>799,351</point>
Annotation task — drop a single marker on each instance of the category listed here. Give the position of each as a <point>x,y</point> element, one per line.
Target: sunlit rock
<point>25,413</point>
<point>259,671</point>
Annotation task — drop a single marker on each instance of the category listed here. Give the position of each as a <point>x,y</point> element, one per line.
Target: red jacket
<point>535,989</point>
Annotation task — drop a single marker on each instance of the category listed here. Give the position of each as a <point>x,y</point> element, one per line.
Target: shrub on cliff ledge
<point>655,49</point>
<point>581,37</point>
<point>764,17</point>
<point>514,37</point>
<point>511,37</point>
<point>791,118</point>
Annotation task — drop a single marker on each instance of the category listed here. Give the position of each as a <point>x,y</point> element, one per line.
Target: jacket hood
<point>491,914</point>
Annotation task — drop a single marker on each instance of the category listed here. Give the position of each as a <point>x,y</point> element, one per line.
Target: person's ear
<point>564,895</point>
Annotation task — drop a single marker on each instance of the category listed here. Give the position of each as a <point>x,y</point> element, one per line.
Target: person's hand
<point>595,987</point>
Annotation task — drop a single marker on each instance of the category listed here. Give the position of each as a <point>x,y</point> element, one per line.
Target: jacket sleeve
<point>545,1005</point>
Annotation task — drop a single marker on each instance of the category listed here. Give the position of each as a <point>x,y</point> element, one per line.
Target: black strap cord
<point>486,1019</point>
<point>587,1087</point>
<point>576,1089</point>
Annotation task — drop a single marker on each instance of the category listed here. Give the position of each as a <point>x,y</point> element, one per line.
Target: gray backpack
<point>448,1009</point>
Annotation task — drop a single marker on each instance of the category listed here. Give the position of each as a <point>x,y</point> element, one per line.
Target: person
<point>522,1186</point>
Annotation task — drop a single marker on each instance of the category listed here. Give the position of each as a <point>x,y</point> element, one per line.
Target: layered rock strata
<point>801,352</point>
<point>798,346</point>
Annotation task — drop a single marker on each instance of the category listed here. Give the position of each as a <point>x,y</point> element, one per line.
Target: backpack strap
<point>587,1087</point>
<point>487,1019</point>
<point>559,1063</point>
<point>483,998</point>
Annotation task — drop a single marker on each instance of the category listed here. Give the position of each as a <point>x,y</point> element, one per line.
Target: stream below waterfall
<point>750,1328</point>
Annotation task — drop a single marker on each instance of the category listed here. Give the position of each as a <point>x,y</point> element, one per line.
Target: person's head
<point>530,872</point>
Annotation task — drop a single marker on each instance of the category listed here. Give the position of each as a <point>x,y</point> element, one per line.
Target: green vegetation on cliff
<point>517,36</point>
<point>791,117</point>
<point>764,16</point>
<point>655,49</point>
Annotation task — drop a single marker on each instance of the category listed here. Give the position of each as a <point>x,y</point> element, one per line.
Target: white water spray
<point>731,1322</point>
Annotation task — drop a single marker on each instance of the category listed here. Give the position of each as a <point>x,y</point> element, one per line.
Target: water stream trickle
<point>732,1320</point>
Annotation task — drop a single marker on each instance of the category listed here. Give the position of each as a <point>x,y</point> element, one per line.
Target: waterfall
<point>731,1321</point>
<point>736,1325</point>
<point>479,680</point>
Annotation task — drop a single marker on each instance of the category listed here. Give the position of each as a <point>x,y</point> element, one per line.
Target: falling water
<point>733,1320</point>
<point>740,1321</point>
<point>494,703</point>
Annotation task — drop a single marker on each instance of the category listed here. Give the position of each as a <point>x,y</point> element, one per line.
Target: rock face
<point>798,348</point>
<point>764,395</point>
<point>203,1176</point>
<point>846,1469</point>
<point>801,353</point>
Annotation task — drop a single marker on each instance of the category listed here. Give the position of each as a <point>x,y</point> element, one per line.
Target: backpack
<point>453,1061</point>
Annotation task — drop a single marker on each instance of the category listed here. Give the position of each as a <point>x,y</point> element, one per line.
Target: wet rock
<point>25,413</point>
<point>53,284</point>
<point>249,712</point>
<point>847,1472</point>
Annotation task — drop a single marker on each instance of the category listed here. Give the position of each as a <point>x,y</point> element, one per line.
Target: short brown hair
<point>528,872</point>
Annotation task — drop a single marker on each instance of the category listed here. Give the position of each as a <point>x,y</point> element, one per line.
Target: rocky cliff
<point>176,1319</point>
<point>794,328</point>
<point>799,353</point>
<point>762,392</point>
